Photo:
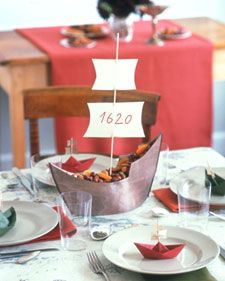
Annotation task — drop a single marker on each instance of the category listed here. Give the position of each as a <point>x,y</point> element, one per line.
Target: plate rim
<point>184,35</point>
<point>185,270</point>
<point>28,205</point>
<point>213,198</point>
<point>51,183</point>
<point>91,35</point>
<point>64,42</point>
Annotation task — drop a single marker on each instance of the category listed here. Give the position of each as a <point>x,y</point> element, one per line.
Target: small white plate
<point>43,174</point>
<point>65,43</point>
<point>98,32</point>
<point>32,221</point>
<point>174,36</point>
<point>198,252</point>
<point>199,173</point>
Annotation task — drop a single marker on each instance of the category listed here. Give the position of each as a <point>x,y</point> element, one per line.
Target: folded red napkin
<point>54,234</point>
<point>75,166</point>
<point>159,251</point>
<point>169,199</point>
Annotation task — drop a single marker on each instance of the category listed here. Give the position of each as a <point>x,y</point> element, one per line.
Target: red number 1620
<point>119,118</point>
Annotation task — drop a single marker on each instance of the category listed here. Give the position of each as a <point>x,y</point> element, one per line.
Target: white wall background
<point>31,13</point>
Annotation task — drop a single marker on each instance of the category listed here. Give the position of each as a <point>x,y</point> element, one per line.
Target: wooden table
<point>23,65</point>
<point>215,32</point>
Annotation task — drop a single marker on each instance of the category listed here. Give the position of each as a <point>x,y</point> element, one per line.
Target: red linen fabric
<point>180,71</point>
<point>54,234</point>
<point>169,199</point>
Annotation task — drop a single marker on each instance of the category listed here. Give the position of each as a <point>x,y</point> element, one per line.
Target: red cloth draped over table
<point>180,71</point>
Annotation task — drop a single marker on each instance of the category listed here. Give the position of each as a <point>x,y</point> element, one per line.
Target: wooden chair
<point>54,101</point>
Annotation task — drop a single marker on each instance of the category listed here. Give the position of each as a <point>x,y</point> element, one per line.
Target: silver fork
<point>96,265</point>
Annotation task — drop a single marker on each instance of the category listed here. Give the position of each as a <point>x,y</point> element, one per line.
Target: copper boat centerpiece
<point>130,191</point>
<point>119,196</point>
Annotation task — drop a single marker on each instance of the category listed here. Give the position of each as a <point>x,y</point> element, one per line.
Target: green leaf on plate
<point>7,220</point>
<point>217,182</point>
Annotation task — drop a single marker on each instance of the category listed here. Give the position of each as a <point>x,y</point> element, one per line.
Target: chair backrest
<point>54,101</point>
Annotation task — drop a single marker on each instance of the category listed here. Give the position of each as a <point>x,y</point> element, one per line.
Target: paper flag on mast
<point>114,74</point>
<point>124,116</point>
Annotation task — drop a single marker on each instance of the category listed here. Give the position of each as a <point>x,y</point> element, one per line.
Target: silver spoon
<point>27,257</point>
<point>4,175</point>
<point>12,182</point>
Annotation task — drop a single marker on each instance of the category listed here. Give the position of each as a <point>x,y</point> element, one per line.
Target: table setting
<point>118,256</point>
<point>105,217</point>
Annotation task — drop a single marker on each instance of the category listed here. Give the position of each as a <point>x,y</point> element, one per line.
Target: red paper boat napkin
<point>75,166</point>
<point>54,234</point>
<point>169,199</point>
<point>159,251</point>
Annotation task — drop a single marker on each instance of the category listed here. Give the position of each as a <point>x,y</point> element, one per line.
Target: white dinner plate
<point>199,173</point>
<point>97,32</point>
<point>32,221</point>
<point>174,36</point>
<point>43,174</point>
<point>65,42</point>
<point>198,252</point>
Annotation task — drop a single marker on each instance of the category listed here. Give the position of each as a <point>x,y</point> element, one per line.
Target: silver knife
<point>222,252</point>
<point>17,251</point>
<point>24,180</point>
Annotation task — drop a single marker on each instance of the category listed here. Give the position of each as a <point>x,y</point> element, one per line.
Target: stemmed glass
<point>153,11</point>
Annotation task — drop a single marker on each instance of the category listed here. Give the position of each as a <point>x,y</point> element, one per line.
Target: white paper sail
<point>114,74</point>
<point>122,119</point>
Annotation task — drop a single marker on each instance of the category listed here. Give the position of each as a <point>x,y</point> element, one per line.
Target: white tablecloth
<point>73,266</point>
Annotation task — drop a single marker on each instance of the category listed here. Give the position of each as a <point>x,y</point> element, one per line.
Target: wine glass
<point>153,11</point>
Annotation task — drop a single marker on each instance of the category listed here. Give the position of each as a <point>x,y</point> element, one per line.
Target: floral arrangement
<point>119,8</point>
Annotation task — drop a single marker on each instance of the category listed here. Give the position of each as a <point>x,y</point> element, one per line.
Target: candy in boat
<point>120,196</point>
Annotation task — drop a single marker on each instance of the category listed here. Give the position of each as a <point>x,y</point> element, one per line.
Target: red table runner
<point>180,71</point>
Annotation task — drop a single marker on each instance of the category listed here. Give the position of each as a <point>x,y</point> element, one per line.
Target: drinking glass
<point>75,205</point>
<point>123,26</point>
<point>0,200</point>
<point>153,11</point>
<point>193,202</point>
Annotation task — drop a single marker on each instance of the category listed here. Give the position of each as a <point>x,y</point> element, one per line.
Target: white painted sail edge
<point>115,74</point>
<point>124,122</point>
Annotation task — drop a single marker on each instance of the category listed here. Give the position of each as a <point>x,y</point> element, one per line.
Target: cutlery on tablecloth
<point>222,252</point>
<point>24,253</point>
<point>220,216</point>
<point>20,250</point>
<point>21,258</point>
<point>24,259</point>
<point>11,182</point>
<point>24,180</point>
<point>96,265</point>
